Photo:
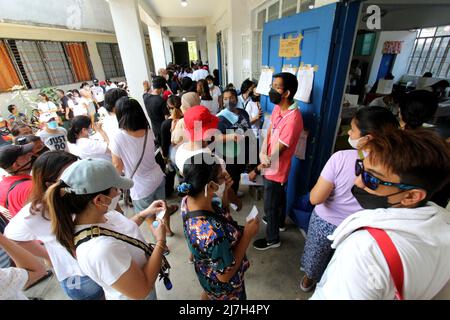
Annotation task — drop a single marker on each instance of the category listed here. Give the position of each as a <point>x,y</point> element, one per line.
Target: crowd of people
<point>69,166</point>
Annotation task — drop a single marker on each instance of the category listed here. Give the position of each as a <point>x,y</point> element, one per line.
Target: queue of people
<point>373,202</point>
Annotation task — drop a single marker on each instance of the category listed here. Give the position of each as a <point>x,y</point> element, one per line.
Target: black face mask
<point>275,97</point>
<point>371,201</point>
<point>256,98</point>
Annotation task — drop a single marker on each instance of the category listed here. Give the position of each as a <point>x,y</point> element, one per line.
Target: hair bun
<point>184,188</point>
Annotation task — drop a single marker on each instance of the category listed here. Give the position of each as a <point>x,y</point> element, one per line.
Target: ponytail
<point>61,217</point>
<point>62,204</point>
<point>77,125</point>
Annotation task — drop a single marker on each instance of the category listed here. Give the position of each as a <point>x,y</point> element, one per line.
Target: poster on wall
<point>392,47</point>
<point>265,81</point>
<point>305,79</point>
<point>290,47</point>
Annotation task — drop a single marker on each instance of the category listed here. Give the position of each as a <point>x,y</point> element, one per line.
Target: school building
<point>62,43</point>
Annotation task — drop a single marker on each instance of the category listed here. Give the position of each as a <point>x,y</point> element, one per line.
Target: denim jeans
<point>158,194</point>
<point>82,288</point>
<point>274,208</point>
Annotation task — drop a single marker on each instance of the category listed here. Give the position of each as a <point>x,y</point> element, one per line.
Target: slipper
<point>48,275</point>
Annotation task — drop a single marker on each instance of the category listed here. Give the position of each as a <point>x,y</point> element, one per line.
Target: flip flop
<point>48,275</point>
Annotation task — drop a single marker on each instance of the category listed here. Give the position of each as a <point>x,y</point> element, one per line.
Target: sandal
<point>48,275</point>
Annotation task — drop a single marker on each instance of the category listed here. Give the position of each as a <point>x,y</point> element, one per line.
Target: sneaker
<point>306,285</point>
<point>263,245</point>
<point>282,228</point>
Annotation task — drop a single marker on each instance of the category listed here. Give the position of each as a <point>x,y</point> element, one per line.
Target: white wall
<point>401,62</point>
<point>79,14</point>
<point>167,46</point>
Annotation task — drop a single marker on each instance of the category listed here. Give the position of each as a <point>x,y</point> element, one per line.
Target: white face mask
<point>354,143</point>
<point>211,85</point>
<point>114,202</point>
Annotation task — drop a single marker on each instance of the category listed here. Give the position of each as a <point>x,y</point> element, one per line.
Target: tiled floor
<point>273,275</point>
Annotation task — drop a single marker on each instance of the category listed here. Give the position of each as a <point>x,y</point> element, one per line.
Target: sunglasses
<point>373,182</point>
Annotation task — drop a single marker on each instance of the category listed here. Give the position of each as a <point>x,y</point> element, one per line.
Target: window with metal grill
<point>111,59</point>
<point>431,52</point>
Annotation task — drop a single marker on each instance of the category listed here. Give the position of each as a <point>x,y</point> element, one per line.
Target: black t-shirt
<point>157,110</point>
<point>166,137</point>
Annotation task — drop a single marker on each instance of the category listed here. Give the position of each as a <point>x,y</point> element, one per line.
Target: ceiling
<point>173,8</point>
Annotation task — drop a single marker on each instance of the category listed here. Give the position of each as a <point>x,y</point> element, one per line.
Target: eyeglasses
<point>373,182</point>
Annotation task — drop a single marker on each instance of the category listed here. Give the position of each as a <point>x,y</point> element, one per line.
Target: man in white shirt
<point>199,73</point>
<point>394,182</point>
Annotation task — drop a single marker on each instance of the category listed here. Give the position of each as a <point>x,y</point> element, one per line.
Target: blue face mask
<point>52,125</point>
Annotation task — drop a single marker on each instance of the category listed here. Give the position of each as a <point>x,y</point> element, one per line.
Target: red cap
<point>193,116</point>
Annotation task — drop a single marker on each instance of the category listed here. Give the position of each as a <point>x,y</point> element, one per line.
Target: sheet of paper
<point>351,98</point>
<point>253,214</point>
<point>305,83</point>
<point>300,151</point>
<point>161,215</point>
<point>245,180</point>
<point>385,86</point>
<point>292,70</point>
<point>265,81</point>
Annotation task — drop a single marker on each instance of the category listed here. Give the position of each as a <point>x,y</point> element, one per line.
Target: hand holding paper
<point>159,216</point>
<point>253,214</point>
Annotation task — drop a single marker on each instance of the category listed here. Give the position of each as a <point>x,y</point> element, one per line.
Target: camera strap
<point>87,234</point>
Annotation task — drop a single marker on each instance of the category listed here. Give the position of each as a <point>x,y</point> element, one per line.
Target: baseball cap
<point>91,176</point>
<point>199,114</point>
<point>10,153</point>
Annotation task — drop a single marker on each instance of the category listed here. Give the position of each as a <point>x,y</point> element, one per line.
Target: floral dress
<point>211,243</point>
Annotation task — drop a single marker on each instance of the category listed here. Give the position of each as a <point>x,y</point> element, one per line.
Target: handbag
<point>87,234</point>
<point>126,193</point>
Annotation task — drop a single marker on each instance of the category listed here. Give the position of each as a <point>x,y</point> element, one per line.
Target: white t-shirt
<point>215,94</point>
<point>12,282</point>
<point>199,75</point>
<point>253,111</point>
<point>45,108</point>
<point>87,148</point>
<point>106,259</point>
<point>80,107</point>
<point>183,154</point>
<point>55,141</point>
<point>97,91</point>
<point>149,174</point>
<point>27,227</point>
<point>110,126</point>
<point>242,104</point>
<point>359,271</point>
<point>212,107</point>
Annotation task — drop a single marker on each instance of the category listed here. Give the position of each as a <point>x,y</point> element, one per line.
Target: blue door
<point>386,65</point>
<point>328,34</point>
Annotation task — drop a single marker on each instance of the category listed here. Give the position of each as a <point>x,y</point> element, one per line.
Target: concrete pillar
<point>156,40</point>
<point>212,46</point>
<point>130,36</point>
<point>96,60</point>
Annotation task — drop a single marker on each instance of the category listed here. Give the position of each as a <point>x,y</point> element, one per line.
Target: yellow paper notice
<point>290,48</point>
